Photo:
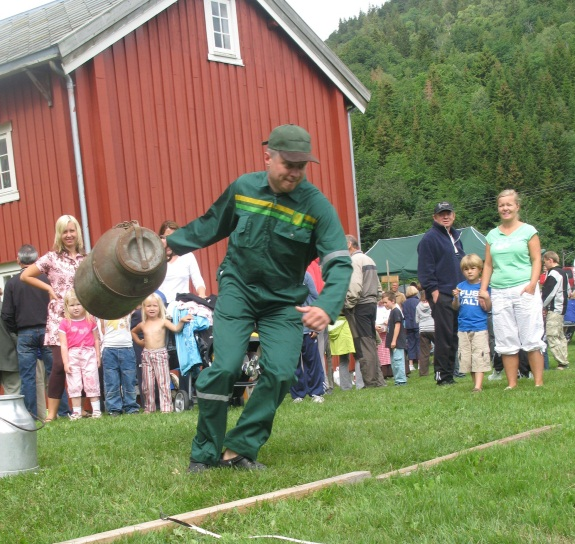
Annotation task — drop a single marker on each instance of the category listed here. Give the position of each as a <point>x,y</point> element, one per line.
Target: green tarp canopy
<point>400,254</point>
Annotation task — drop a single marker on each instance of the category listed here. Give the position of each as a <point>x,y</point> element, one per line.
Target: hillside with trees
<point>469,97</point>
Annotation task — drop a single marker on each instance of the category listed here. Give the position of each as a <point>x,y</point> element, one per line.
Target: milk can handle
<point>139,240</point>
<point>42,424</point>
<point>140,243</point>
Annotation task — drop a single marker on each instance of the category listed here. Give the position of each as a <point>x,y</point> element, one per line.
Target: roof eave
<point>30,61</point>
<point>106,29</point>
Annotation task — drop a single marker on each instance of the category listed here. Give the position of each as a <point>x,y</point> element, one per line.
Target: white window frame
<point>7,270</point>
<point>230,55</point>
<point>11,193</point>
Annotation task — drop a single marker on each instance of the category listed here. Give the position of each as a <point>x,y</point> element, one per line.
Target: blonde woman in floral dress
<point>60,266</point>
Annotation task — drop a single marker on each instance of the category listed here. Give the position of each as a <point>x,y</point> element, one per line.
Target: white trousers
<point>517,320</point>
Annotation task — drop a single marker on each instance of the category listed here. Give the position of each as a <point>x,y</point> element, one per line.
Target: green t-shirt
<point>510,256</point>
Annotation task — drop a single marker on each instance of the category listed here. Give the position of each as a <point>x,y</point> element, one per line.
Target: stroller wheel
<point>181,401</point>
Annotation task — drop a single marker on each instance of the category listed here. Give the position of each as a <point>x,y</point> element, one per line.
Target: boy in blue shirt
<point>474,354</point>
<point>396,339</point>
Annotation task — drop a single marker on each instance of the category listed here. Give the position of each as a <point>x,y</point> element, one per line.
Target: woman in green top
<point>512,267</point>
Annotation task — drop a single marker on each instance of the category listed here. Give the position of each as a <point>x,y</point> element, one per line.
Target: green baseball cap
<point>292,142</point>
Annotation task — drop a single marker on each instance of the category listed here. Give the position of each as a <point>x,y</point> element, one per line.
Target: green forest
<point>469,97</point>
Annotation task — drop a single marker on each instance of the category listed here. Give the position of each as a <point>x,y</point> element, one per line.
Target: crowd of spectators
<point>464,316</point>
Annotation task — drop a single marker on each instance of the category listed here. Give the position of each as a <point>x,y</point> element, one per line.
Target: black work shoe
<point>196,467</point>
<point>241,462</point>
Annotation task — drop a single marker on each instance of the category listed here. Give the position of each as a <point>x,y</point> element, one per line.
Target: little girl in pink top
<point>80,345</point>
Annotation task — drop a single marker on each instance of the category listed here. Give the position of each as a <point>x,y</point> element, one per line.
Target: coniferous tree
<point>468,97</point>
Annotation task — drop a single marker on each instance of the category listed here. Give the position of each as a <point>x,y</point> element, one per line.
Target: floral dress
<point>383,352</point>
<point>60,269</point>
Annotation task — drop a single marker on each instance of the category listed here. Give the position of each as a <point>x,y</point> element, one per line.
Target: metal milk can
<point>127,264</point>
<point>18,446</point>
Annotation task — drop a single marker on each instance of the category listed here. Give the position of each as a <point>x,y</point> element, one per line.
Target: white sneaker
<point>495,375</point>
<point>297,400</point>
<point>317,398</point>
<point>96,414</point>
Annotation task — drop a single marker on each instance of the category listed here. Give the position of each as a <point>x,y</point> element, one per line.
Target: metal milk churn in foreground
<point>18,445</point>
<point>127,264</point>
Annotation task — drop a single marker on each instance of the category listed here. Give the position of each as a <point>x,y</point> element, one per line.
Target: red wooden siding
<point>164,131</point>
<point>169,130</point>
<point>44,164</point>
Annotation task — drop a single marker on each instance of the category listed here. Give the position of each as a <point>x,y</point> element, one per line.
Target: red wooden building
<point>113,110</point>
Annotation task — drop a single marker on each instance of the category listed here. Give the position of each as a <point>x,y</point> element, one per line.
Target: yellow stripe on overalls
<point>278,211</point>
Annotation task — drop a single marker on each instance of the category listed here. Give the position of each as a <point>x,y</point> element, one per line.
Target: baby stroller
<point>185,376</point>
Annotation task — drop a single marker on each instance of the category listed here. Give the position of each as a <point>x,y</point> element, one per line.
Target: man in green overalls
<point>277,223</point>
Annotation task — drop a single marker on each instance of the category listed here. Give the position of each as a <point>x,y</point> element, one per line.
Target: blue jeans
<point>398,365</point>
<point>29,347</point>
<point>64,408</point>
<point>120,380</point>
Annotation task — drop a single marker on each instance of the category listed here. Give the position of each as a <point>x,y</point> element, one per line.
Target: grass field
<point>98,475</point>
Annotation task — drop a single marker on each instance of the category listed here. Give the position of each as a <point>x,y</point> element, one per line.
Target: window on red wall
<point>8,187</point>
<point>222,31</point>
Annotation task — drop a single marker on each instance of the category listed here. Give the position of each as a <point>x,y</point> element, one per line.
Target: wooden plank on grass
<point>197,516</point>
<point>437,460</point>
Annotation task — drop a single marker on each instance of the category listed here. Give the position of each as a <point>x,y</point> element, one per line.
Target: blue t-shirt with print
<point>472,317</point>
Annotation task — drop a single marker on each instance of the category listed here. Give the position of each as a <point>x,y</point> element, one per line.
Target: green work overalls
<point>272,240</point>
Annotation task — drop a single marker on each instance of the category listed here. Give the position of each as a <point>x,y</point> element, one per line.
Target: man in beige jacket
<point>361,301</point>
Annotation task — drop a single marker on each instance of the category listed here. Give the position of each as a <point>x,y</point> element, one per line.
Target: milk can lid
<point>140,251</point>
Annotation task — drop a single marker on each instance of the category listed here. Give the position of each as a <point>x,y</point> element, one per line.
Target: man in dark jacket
<point>438,269</point>
<point>24,311</point>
